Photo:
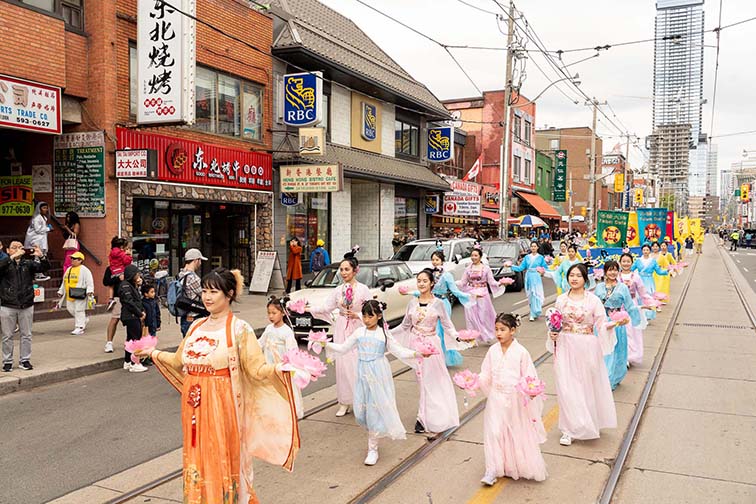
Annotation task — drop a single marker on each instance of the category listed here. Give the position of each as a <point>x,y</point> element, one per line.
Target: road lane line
<point>520,302</point>
<point>745,269</point>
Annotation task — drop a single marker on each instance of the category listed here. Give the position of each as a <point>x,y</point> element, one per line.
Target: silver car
<point>417,254</point>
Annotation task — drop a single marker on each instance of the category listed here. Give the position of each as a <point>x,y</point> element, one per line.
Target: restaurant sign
<point>311,178</point>
<point>26,105</point>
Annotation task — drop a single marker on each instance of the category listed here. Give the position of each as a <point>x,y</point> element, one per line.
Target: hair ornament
<point>439,246</point>
<point>518,318</point>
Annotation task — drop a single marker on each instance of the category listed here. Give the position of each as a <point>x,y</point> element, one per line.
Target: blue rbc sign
<point>440,144</point>
<point>369,121</point>
<point>303,98</point>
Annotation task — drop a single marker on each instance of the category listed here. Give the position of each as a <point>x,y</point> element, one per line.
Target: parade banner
<point>670,227</point>
<point>695,227</point>
<point>652,223</point>
<point>633,236</point>
<point>683,228</point>
<point>612,228</point>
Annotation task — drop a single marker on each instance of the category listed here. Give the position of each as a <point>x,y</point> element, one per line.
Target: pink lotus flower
<point>549,259</point>
<point>316,341</point>
<point>540,270</point>
<point>467,381</point>
<point>554,319</point>
<point>652,303</point>
<point>530,386</point>
<point>426,347</point>
<point>144,343</point>
<point>598,273</point>
<point>508,264</point>
<point>587,252</point>
<point>683,264</point>
<point>660,296</point>
<point>506,281</point>
<point>619,315</point>
<point>468,334</point>
<point>297,306</point>
<point>403,289</point>
<point>306,367</point>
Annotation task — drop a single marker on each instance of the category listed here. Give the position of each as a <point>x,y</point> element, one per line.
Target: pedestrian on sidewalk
<point>584,394</point>
<point>347,298</point>
<point>638,292</point>
<point>734,239</point>
<point>132,313</point>
<point>75,290</point>
<point>71,230</point>
<point>152,320</point>
<point>534,266</point>
<point>118,258</point>
<point>36,233</point>
<point>374,396</point>
<point>114,307</point>
<point>319,257</point>
<point>191,287</point>
<point>235,407</point>
<point>17,271</point>
<point>689,245</point>
<point>476,281</point>
<point>512,431</point>
<point>699,239</point>
<point>294,265</point>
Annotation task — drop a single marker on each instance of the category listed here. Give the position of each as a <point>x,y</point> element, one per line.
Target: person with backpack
<point>319,257</point>
<point>184,293</point>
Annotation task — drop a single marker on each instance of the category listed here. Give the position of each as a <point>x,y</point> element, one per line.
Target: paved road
<point>745,259</point>
<point>60,438</point>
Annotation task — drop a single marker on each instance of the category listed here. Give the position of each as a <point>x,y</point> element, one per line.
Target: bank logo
<point>440,144</point>
<point>369,121</point>
<point>303,98</point>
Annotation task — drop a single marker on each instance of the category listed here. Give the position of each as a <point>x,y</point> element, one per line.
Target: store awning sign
<point>303,98</point>
<point>136,163</point>
<point>440,144</point>
<point>369,129</point>
<point>27,105</point>
<point>560,176</point>
<point>431,203</point>
<point>311,178</point>
<point>461,204</point>
<point>16,196</point>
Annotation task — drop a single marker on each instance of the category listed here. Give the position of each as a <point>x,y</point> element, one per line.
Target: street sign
<point>560,176</point>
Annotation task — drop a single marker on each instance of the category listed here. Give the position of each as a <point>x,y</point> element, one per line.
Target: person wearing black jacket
<point>132,313</point>
<point>545,248</point>
<point>17,272</point>
<point>108,280</point>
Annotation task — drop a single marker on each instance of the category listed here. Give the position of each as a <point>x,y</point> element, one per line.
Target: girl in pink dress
<point>480,314</point>
<point>512,430</point>
<point>438,403</point>
<point>347,298</point>
<point>638,292</point>
<point>584,394</point>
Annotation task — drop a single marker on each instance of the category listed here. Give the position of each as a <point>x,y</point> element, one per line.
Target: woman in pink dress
<point>638,292</point>
<point>584,394</point>
<point>438,403</point>
<point>347,298</point>
<point>480,314</point>
<point>512,428</point>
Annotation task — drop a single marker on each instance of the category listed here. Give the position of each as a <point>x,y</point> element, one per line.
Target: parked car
<point>499,252</point>
<point>417,254</point>
<point>382,277</point>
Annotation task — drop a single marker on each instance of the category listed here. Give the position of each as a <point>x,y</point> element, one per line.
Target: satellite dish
<point>456,114</point>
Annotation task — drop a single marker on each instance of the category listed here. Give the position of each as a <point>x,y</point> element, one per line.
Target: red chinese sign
<point>185,161</point>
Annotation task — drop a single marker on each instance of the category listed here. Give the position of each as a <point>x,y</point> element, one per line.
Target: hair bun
<point>239,281</point>
<point>518,318</point>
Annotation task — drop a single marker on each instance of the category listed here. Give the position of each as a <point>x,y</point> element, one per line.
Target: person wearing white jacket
<point>77,276</point>
<point>36,233</point>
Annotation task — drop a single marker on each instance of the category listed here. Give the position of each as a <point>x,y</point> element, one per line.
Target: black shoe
<point>25,365</point>
<point>7,367</point>
<point>419,429</point>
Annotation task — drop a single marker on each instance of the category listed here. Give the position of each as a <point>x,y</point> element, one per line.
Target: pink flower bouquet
<point>403,290</point>
<point>540,270</point>
<point>598,273</point>
<point>619,316</point>
<point>554,320</point>
<point>306,367</point>
<point>508,264</point>
<point>506,281</point>
<point>297,306</point>
<point>530,386</point>
<point>144,343</point>
<point>467,381</point>
<point>468,335</point>
<point>316,341</point>
<point>426,347</point>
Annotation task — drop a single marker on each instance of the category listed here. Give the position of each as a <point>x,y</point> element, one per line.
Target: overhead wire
<point>716,73</point>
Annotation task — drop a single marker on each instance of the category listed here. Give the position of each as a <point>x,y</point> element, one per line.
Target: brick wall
<point>388,144</point>
<point>341,115</point>
<point>77,66</point>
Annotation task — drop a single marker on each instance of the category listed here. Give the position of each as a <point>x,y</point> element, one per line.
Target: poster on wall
<point>16,196</point>
<point>42,178</point>
<point>27,105</point>
<point>79,174</point>
<point>461,204</point>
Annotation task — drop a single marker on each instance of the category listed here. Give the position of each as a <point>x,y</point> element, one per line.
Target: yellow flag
<point>633,237</point>
<point>683,229</point>
<point>695,226</point>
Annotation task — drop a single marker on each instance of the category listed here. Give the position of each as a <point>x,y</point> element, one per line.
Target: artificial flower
<point>316,341</point>
<point>306,367</point>
<point>144,343</point>
<point>297,306</point>
<point>467,381</point>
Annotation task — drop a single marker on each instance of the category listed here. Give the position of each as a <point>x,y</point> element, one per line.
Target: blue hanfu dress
<point>560,274</point>
<point>646,269</point>
<point>374,400</point>
<point>533,282</point>
<point>617,298</point>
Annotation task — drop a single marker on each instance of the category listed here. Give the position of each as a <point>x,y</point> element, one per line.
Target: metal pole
<point>592,187</point>
<point>504,157</point>
<point>570,212</point>
<point>626,187</point>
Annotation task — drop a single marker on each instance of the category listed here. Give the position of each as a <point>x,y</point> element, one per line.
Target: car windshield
<point>330,277</point>
<point>501,249</point>
<point>418,251</point>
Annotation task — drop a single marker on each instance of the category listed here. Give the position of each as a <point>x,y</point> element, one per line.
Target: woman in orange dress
<point>234,406</point>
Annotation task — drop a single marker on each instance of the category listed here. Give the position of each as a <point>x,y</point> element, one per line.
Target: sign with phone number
<point>28,105</point>
<point>16,196</point>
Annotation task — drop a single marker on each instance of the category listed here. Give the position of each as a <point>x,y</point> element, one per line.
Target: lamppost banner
<point>560,176</point>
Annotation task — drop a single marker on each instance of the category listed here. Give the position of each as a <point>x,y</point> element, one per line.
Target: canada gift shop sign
<point>185,161</point>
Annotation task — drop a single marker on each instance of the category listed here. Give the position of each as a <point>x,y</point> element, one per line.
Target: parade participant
<point>76,288</point>
<point>277,339</point>
<point>698,241</point>
<point>665,259</point>
<point>638,292</point>
<point>646,266</point>
<point>347,298</point>
<point>512,431</point>
<point>437,411</point>
<point>36,234</point>
<point>533,282</point>
<point>476,280</point>
<point>616,297</point>
<point>234,406</point>
<point>374,396</point>
<point>584,395</point>
<point>560,274</point>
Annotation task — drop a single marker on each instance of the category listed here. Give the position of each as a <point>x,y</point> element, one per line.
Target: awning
<point>542,207</point>
<point>489,214</point>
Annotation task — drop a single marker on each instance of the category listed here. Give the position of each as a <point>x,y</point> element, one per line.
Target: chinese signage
<point>369,121</point>
<point>79,179</point>
<point>560,176</point>
<point>312,141</point>
<point>16,196</point>
<point>431,203</point>
<point>490,197</point>
<point>135,163</point>
<point>303,98</point>
<point>652,224</point>
<point>189,162</point>
<point>456,203</point>
<point>440,144</point>
<point>30,106</point>
<point>311,178</point>
<point>165,61</point>
<point>611,228</point>
<point>619,182</point>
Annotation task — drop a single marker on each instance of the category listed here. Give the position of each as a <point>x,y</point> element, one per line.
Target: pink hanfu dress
<point>512,425</point>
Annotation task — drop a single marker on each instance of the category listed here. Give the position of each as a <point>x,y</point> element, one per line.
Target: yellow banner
<point>683,229</point>
<point>695,227</point>
<point>633,237</point>
<point>619,182</point>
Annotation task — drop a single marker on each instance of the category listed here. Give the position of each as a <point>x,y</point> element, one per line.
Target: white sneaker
<point>137,368</point>
<point>565,440</point>
<point>372,458</point>
<point>531,319</point>
<point>488,479</point>
<point>109,347</point>
<point>77,331</point>
<point>127,366</point>
<point>343,410</point>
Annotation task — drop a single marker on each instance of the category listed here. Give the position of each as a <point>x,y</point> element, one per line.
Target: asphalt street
<point>745,260</point>
<point>59,438</point>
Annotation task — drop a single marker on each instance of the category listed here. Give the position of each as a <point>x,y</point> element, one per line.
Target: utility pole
<point>504,158</point>
<point>592,187</point>
<point>626,186</point>
<point>570,213</point>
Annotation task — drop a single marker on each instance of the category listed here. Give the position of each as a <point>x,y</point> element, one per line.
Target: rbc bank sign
<point>440,144</point>
<point>303,98</point>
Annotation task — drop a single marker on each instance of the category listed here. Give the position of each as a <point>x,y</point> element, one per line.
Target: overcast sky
<point>623,75</point>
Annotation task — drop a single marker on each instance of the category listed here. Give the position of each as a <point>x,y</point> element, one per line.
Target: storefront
<point>196,195</point>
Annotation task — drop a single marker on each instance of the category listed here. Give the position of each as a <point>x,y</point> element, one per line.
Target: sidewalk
<point>57,355</point>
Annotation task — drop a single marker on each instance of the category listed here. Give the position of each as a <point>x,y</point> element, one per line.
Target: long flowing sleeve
<point>496,289</point>
<point>534,405</point>
<point>402,353</point>
<point>342,348</point>
<point>607,338</point>
<point>450,332</point>
<point>464,282</point>
<point>324,312</point>
<point>402,333</point>
<point>523,264</point>
<point>263,340</point>
<point>450,284</point>
<point>485,377</point>
<point>290,339</point>
<point>659,270</point>
<point>170,366</point>
<point>630,307</point>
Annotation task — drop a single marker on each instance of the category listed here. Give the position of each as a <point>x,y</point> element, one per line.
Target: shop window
<point>309,221</point>
<point>405,220</point>
<point>70,10</point>
<point>554,144</point>
<point>516,163</point>
<point>539,176</point>
<point>406,139</point>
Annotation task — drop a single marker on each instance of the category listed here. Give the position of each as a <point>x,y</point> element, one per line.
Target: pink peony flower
<point>508,264</point>
<point>540,269</point>
<point>426,347</point>
<point>468,334</point>
<point>554,319</point>
<point>403,289</point>
<point>316,341</point>
<point>467,381</point>
<point>530,386</point>
<point>660,296</point>
<point>598,273</point>
<point>506,281</point>
<point>549,259</point>
<point>297,306</point>
<point>619,315</point>
<point>306,367</point>
<point>144,343</point>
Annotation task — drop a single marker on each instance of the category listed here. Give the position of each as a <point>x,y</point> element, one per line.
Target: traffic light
<point>638,196</point>
<point>583,211</point>
<point>745,190</point>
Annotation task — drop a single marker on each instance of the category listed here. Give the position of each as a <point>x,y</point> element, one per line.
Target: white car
<point>382,277</point>
<point>417,254</point>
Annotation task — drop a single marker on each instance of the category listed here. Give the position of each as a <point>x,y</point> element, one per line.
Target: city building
<point>712,171</point>
<point>705,208</point>
<point>698,174</point>
<point>669,163</point>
